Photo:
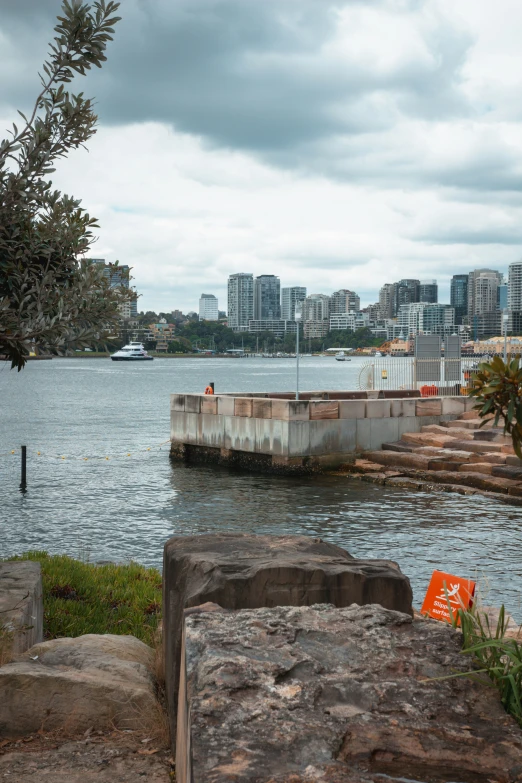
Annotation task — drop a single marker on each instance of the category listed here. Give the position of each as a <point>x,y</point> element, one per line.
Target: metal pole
<point>211,384</point>
<point>297,361</point>
<point>23,482</point>
<point>505,324</point>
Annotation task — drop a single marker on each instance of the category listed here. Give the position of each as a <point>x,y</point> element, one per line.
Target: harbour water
<point>79,412</point>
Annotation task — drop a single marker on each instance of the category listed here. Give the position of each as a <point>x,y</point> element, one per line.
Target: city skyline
<point>340,156</point>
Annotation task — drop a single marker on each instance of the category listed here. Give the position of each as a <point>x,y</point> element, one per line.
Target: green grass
<point>81,598</point>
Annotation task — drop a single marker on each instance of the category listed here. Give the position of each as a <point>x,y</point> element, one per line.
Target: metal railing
<point>433,377</point>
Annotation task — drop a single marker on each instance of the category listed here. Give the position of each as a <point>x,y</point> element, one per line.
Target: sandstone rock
<point>240,571</point>
<point>318,694</point>
<point>401,446</point>
<point>507,471</point>
<point>478,467</point>
<point>21,607</point>
<point>475,446</point>
<point>493,459</point>
<point>96,681</point>
<point>395,459</point>
<point>456,432</point>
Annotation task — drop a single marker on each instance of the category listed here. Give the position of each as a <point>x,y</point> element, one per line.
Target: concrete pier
<point>274,433</point>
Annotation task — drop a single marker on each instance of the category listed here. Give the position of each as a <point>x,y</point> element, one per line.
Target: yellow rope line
<point>85,459</point>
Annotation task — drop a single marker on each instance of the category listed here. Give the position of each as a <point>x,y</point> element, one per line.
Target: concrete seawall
<point>268,433</point>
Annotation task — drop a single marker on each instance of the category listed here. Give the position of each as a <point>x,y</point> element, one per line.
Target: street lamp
<point>297,319</point>
<point>505,319</point>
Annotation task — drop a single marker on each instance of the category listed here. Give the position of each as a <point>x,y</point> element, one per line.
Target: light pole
<point>505,319</point>
<point>297,319</point>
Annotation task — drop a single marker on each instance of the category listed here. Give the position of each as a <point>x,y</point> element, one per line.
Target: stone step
<point>455,432</point>
<point>396,459</point>
<point>475,446</point>
<point>513,460</point>
<point>427,439</point>
<point>477,467</point>
<point>447,464</point>
<point>433,451</point>
<point>492,459</point>
<point>468,415</point>
<point>478,481</point>
<point>491,436</point>
<point>399,446</point>
<point>466,424</point>
<point>507,471</point>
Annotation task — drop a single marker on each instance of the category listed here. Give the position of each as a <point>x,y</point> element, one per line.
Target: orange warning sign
<point>446,591</point>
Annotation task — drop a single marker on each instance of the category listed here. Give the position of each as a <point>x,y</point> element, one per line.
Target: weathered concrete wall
<point>317,694</point>
<point>293,435</point>
<point>21,607</point>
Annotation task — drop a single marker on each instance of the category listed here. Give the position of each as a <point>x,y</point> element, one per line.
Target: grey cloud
<point>248,74</point>
<point>467,235</point>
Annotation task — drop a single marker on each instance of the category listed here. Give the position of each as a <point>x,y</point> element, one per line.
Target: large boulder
<point>21,607</point>
<point>244,571</point>
<point>94,680</point>
<point>353,695</point>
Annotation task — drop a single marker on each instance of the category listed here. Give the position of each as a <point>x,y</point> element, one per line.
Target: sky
<point>335,143</point>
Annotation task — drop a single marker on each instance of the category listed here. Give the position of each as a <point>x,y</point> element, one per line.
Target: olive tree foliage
<point>497,387</point>
<point>50,296</point>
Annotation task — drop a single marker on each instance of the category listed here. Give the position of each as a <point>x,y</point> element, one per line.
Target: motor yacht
<point>133,352</point>
<point>340,357</point>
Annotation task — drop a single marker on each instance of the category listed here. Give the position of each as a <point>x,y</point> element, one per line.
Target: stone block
<point>177,402</point>
<point>271,436</point>
<point>353,695</point>
<point>262,409</point>
<point>453,405</point>
<point>324,409</point>
<point>362,435</point>
<point>291,410</point>
<point>383,431</point>
<point>409,423</point>
<point>193,403</point>
<point>352,409</point>
<point>476,467</point>
<point>240,433</point>
<point>298,438</point>
<point>184,427</point>
<point>332,437</point>
<point>506,471</point>
<point>93,681</point>
<point>240,571</point>
<point>211,430</point>
<point>474,446</point>
<point>21,607</point>
<point>243,406</point>
<point>402,408</point>
<point>428,407</point>
<point>225,405</point>
<point>209,404</point>
<point>378,409</point>
<point>399,459</point>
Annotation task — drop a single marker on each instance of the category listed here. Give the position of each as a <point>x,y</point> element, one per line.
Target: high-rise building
<point>267,298</point>
<point>289,298</point>
<point>208,307</point>
<point>316,313</point>
<point>240,300</point>
<point>502,295</point>
<point>345,301</point>
<point>482,291</point>
<point>428,291</point>
<point>515,287</point>
<point>426,318</point>
<point>118,276</point>
<point>386,301</point>
<point>404,292</point>
<point>459,297</point>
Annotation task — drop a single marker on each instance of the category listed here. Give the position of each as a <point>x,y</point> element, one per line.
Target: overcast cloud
<point>337,143</point>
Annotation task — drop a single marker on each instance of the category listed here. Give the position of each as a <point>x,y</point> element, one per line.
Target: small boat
<point>340,357</point>
<point>133,352</point>
<point>377,353</point>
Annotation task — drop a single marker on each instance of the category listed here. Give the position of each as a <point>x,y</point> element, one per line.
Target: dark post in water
<point>23,482</point>
<point>211,384</point>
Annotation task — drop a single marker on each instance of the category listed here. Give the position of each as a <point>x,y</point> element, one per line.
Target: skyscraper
<point>459,297</point>
<point>289,297</point>
<point>240,300</point>
<point>386,301</point>
<point>404,292</point>
<point>515,287</point>
<point>208,307</point>
<point>345,301</point>
<point>482,291</point>
<point>428,291</point>
<point>267,298</point>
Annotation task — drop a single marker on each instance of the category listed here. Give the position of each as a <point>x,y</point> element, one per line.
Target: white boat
<point>340,357</point>
<point>377,353</point>
<point>133,352</point>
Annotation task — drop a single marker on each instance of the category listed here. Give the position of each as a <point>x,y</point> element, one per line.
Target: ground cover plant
<point>80,597</point>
